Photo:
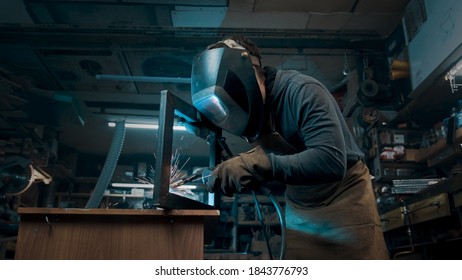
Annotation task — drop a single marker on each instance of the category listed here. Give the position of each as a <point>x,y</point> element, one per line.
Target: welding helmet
<point>225,90</point>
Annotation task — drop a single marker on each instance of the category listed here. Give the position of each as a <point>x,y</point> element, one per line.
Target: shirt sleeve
<point>314,113</point>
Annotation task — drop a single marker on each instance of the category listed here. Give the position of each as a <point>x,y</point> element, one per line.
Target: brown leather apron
<point>340,223</point>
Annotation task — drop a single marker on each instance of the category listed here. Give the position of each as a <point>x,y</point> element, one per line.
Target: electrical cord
<point>282,221</point>
<point>207,173</point>
<point>262,223</point>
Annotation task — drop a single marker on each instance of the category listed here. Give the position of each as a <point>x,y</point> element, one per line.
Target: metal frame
<point>169,106</point>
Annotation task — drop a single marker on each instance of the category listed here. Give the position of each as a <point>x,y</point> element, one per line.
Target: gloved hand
<point>246,171</point>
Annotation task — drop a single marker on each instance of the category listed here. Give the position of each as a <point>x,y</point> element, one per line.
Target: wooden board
<point>107,235</point>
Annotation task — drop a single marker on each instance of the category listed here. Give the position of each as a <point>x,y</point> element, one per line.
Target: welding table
<point>107,234</point>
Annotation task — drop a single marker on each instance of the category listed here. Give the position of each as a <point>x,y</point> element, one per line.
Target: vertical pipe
<point>109,165</point>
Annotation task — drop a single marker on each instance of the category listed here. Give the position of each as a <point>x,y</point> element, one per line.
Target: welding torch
<point>204,175</point>
<point>207,178</point>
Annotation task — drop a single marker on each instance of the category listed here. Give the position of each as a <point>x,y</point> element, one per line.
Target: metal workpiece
<point>184,180</point>
<point>171,106</point>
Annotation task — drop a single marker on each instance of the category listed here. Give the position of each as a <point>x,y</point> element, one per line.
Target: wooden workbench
<point>107,234</point>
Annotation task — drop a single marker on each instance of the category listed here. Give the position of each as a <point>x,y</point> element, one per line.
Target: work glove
<point>244,172</point>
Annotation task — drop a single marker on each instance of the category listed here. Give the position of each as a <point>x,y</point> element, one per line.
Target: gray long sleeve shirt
<point>307,116</point>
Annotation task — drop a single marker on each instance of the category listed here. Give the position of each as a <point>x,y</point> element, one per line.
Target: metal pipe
<point>109,166</point>
<point>144,79</point>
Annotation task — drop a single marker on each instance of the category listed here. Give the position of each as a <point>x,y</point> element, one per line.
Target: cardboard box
<point>411,154</point>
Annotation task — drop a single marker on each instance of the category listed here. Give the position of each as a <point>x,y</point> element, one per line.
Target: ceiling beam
<point>187,38</point>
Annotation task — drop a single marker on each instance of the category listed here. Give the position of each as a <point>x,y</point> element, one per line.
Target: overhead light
<point>149,186</point>
<point>146,126</point>
<point>132,185</point>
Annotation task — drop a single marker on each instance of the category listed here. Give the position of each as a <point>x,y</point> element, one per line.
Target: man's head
<point>225,88</point>
<point>236,41</point>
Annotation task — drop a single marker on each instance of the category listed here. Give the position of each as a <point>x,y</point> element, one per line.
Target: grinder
<point>17,175</point>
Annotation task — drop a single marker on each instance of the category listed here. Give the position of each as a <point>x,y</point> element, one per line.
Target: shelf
<point>387,171</point>
<point>432,95</point>
<point>124,195</point>
<point>398,161</point>
<point>256,223</point>
<point>450,185</point>
<point>442,153</point>
<point>448,156</point>
<point>421,162</point>
<point>402,164</point>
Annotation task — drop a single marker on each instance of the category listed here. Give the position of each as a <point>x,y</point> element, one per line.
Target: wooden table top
<point>120,212</point>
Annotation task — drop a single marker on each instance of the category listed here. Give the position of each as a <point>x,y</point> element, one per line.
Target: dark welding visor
<point>225,90</point>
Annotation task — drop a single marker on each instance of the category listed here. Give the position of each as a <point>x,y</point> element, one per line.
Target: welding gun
<point>205,175</point>
<point>208,179</point>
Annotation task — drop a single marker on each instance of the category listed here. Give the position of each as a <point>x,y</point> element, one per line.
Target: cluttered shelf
<point>394,160</point>
<point>444,155</point>
<point>452,186</point>
<point>425,203</point>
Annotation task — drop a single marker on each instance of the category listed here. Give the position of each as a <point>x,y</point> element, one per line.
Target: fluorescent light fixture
<point>149,186</point>
<point>132,185</point>
<point>146,126</point>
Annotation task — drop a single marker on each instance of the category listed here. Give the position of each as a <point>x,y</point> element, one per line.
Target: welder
<point>300,139</point>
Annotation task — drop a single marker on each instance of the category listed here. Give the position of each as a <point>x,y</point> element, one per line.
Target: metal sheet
<point>162,196</point>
